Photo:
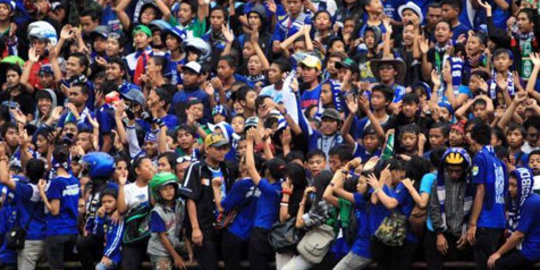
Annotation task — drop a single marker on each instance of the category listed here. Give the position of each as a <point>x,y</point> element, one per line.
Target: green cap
<point>142,28</point>
<point>14,60</point>
<point>159,180</point>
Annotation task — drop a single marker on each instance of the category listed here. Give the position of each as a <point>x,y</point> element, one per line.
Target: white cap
<point>412,6</point>
<point>194,66</point>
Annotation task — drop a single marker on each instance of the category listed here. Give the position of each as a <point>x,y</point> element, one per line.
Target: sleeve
<point>55,190</point>
<point>97,227</point>
<point>359,200</point>
<point>479,171</point>
<point>402,195</point>
<point>435,208</point>
<point>235,196</point>
<point>156,223</point>
<point>192,184</point>
<point>529,215</point>
<point>27,192</point>
<point>278,33</point>
<point>426,184</point>
<point>114,239</point>
<point>266,187</point>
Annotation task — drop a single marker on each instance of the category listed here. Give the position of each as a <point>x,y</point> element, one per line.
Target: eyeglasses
<point>184,159</point>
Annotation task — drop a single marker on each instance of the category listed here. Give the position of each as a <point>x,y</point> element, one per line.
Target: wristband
<point>284,204</point>
<point>287,191</point>
<point>376,190</point>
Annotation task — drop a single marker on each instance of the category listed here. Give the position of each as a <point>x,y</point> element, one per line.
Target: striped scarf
<point>525,184</point>
<point>441,189</point>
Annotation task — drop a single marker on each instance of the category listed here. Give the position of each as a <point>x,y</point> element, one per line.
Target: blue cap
<point>45,69</point>
<point>219,109</point>
<point>10,3</point>
<point>150,137</point>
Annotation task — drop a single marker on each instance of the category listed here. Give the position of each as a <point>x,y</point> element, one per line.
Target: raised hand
<point>351,104</point>
<point>228,33</point>
<point>424,45</point>
<point>435,78</point>
<point>32,55</point>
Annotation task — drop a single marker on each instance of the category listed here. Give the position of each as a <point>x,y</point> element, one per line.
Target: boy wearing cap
<point>192,77</point>
<point>327,136</point>
<point>201,208</point>
<point>311,89</point>
<point>347,73</point>
<point>142,37</point>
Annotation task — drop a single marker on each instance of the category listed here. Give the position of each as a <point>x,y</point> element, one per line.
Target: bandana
<point>441,189</point>
<point>493,85</point>
<point>525,184</point>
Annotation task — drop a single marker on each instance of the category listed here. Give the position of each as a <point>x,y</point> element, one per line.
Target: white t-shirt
<point>135,195</point>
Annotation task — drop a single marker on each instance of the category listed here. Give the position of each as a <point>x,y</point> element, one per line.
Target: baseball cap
<point>311,62</point>
<point>10,4</point>
<point>45,69</point>
<point>219,109</point>
<point>251,122</point>
<point>215,140</point>
<point>194,66</point>
<point>332,114</point>
<point>142,29</point>
<point>101,30</point>
<point>135,95</point>
<point>150,137</point>
<point>348,64</point>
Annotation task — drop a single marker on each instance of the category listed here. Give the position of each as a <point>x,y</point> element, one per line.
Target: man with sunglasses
<point>201,206</point>
<point>449,209</point>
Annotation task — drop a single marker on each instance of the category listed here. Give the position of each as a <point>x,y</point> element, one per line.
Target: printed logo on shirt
<point>475,170</point>
<point>71,190</point>
<point>205,181</point>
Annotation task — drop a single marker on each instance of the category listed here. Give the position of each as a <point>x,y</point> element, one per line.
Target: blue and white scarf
<point>493,85</point>
<point>441,189</point>
<point>525,184</point>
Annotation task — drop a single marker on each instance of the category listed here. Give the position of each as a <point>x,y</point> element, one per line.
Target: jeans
<point>434,258</point>
<point>32,252</point>
<point>260,251</point>
<point>102,266</point>
<point>513,260</point>
<point>353,262</point>
<point>90,250</point>
<point>487,241</point>
<point>57,246</point>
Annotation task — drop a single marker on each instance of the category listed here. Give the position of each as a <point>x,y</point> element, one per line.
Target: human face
<point>88,24</point>
<point>167,192</point>
<point>248,50</point>
<point>410,109</point>
<point>156,39</point>
<point>238,125</point>
<point>39,46</point>
<point>217,19</point>
<point>112,47</point>
<point>436,137</point>
<point>4,12</point>
<point>299,46</point>
<point>146,170</point>
<point>331,65</point>
<point>532,136</point>
<point>11,137</point>
<point>316,164</point>
<point>184,14</point>
<point>442,32</point>
<point>196,110</point>
<point>375,7</point>
<point>44,106</point>
<point>191,79</point>
<point>141,40</point>
<point>74,67</point>
<point>344,73</point>
<point>534,163</point>
<point>444,114</point>
<point>70,128</point>
<point>455,172</point>
<point>99,44</point>
<point>171,43</point>
<point>109,203</point>
<point>181,169</point>
<point>241,148</point>
<point>433,16</point>
<point>147,15</point>
<point>335,163</point>
<point>225,71</point>
<point>323,22</point>
<point>371,142</point>
<point>274,74</point>
<point>294,6</point>
<point>42,144</point>
<point>378,101</point>
<point>448,12</point>
<point>150,148</point>
<point>502,62</point>
<point>76,96</point>
<point>409,141</point>
<point>217,154</point>
<point>120,169</point>
<point>46,80</point>
<point>326,94</point>
<point>523,23</point>
<point>254,20</point>
<point>473,46</point>
<point>164,165</point>
<point>254,65</point>
<point>114,72</point>
<point>84,140</point>
<point>153,100</point>
<point>408,35</point>
<point>512,187</point>
<point>12,78</point>
<point>388,73</point>
<point>514,138</point>
<point>309,75</point>
<point>329,126</point>
<point>479,111</point>
<point>348,27</point>
<point>408,15</point>
<point>369,39</point>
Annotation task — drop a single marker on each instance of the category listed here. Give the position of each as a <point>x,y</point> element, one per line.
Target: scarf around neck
<point>441,188</point>
<point>525,185</point>
<point>493,85</point>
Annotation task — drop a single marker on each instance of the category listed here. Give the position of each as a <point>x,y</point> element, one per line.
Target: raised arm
<point>250,158</point>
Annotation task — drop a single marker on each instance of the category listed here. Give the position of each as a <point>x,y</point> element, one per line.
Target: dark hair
<point>534,152</point>
<point>435,157</point>
<point>162,62</point>
<point>447,22</point>
<point>434,5</point>
<point>171,158</point>
<point>229,59</point>
<point>117,60</point>
<point>297,174</point>
<point>387,92</point>
<point>13,67</point>
<point>260,100</point>
<point>343,151</point>
<point>501,51</point>
<point>481,133</point>
<point>454,3</point>
<point>409,128</point>
<point>61,153</point>
<point>295,154</point>
<point>499,133</point>
<point>314,153</point>
<point>82,85</point>
<point>187,128</point>
<point>163,95</point>
<point>138,162</point>
<point>502,152</point>
<point>533,121</point>
<point>283,64</point>
<point>410,98</point>
<point>275,168</point>
<point>416,168</point>
<point>111,191</point>
<point>480,102</point>
<point>35,169</point>
<point>515,126</point>
<point>83,60</point>
<point>320,182</point>
<point>481,73</point>
<point>222,9</point>
<point>93,13</point>
<point>443,126</point>
<point>532,14</point>
<point>192,4</point>
<point>6,127</point>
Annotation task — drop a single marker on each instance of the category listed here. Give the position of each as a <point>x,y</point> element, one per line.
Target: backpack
<point>137,224</point>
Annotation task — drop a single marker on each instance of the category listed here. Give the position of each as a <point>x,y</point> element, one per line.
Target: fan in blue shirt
<point>112,231</point>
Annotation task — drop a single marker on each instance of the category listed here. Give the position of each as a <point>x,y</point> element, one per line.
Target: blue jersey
<point>30,211</point>
<point>362,244</point>
<point>113,238</point>
<point>490,171</point>
<point>529,224</point>
<point>310,97</point>
<point>67,190</point>
<point>8,219</point>
<point>109,18</point>
<point>82,123</point>
<point>288,26</point>
<point>242,196</point>
<point>267,209</point>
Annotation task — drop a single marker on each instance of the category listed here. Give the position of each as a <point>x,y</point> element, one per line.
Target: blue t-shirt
<point>529,224</point>
<point>29,204</point>
<point>267,209</point>
<point>486,170</point>
<point>425,187</point>
<point>109,18</point>
<point>406,206</point>
<point>362,244</point>
<point>310,97</point>
<point>67,190</point>
<point>243,196</point>
<point>361,152</point>
<point>378,212</point>
<point>287,27</point>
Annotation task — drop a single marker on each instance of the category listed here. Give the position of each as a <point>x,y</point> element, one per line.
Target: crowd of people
<point>292,134</point>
